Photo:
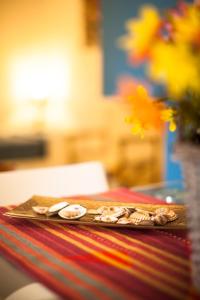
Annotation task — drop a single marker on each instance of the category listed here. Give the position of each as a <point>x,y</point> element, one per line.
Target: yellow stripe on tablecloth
<point>143,252</point>
<point>125,257</point>
<point>102,256</point>
<point>175,258</point>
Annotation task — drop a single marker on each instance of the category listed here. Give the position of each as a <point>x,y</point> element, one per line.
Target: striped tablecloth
<point>80,262</point>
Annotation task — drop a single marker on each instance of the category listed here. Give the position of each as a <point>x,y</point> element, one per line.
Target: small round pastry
<point>109,219</point>
<point>41,210</point>
<point>146,223</point>
<point>72,212</point>
<point>54,209</point>
<point>97,218</point>
<point>128,211</point>
<point>101,209</point>
<point>115,211</point>
<point>144,212</point>
<point>162,210</point>
<point>160,219</point>
<point>124,221</point>
<point>171,215</point>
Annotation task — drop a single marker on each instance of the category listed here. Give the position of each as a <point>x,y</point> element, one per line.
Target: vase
<point>189,156</point>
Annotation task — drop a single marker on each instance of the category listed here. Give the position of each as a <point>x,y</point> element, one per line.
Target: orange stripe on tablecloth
<point>68,260</point>
<point>77,243</point>
<point>36,269</point>
<point>49,263</point>
<point>143,252</point>
<point>123,266</point>
<point>127,259</point>
<point>183,263</point>
<point>162,252</point>
<point>95,276</point>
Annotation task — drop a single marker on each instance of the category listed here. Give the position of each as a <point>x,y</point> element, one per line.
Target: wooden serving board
<point>25,211</point>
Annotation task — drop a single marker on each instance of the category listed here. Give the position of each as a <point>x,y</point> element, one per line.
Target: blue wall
<point>115,13</point>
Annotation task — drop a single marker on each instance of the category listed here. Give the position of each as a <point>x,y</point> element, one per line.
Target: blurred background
<point>59,67</point>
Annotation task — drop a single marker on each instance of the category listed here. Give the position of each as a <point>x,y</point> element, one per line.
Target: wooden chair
<point>18,186</point>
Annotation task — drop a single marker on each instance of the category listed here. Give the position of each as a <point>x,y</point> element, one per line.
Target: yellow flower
<point>138,129</point>
<point>187,25</point>
<point>171,47</point>
<point>172,126</point>
<point>167,115</point>
<point>142,32</point>
<point>176,67</point>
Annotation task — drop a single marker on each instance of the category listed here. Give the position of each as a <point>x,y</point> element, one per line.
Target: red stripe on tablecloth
<point>147,237</point>
<point>144,240</point>
<point>44,277</point>
<point>68,275</point>
<point>165,263</point>
<point>105,272</point>
<point>160,241</point>
<point>63,271</point>
<point>152,290</point>
<point>58,246</point>
<point>143,269</point>
<point>135,256</point>
<point>156,290</point>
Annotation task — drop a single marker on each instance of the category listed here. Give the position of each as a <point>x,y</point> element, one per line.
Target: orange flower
<point>146,113</point>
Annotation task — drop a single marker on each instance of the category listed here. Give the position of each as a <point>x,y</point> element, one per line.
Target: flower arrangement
<point>169,46</point>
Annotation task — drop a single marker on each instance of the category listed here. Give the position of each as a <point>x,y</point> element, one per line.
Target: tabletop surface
<point>168,191</point>
<point>83,262</point>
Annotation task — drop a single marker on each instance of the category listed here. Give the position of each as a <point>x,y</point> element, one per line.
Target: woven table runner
<point>83,262</point>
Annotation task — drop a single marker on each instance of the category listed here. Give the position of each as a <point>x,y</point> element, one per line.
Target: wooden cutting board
<point>25,211</point>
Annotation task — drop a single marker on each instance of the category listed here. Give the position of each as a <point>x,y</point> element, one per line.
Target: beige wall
<point>42,26</point>
<point>36,26</point>
<point>39,26</point>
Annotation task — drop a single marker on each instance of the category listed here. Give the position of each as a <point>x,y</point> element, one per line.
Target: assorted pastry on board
<point>110,214</point>
<point>135,216</point>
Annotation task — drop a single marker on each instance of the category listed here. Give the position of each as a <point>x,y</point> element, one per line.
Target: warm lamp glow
<point>40,77</point>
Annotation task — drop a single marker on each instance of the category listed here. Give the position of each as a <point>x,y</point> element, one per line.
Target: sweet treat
<point>162,210</point>
<point>171,215</point>
<point>97,218</point>
<point>54,209</point>
<point>71,212</point>
<point>124,221</point>
<point>135,216</point>
<point>109,219</point>
<point>128,211</point>
<point>41,210</point>
<point>145,223</point>
<point>115,211</point>
<point>160,219</point>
